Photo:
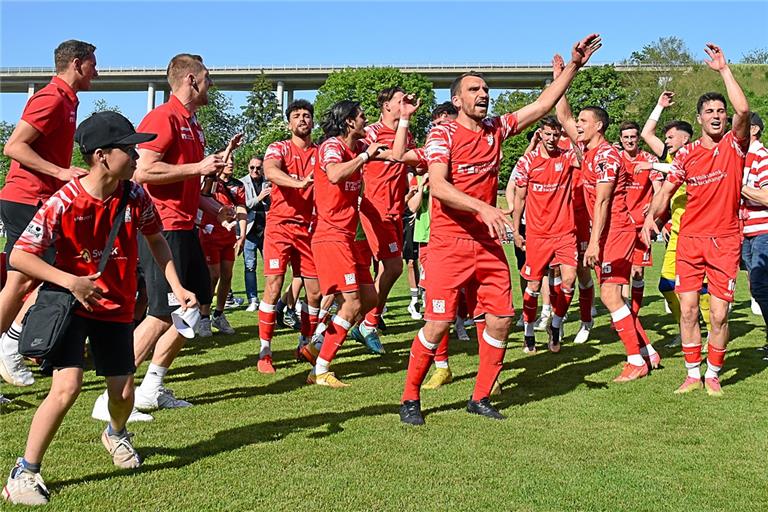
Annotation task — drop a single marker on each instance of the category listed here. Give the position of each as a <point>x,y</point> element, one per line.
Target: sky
<point>255,33</point>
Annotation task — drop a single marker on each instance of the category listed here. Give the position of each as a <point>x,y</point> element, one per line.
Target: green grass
<point>572,440</point>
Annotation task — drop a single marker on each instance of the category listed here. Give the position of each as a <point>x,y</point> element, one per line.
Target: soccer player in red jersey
<point>613,234</point>
<point>221,244</point>
<point>170,168</point>
<point>289,165</point>
<point>78,220</point>
<point>341,269</point>
<point>644,182</point>
<point>466,229</point>
<point>709,243</point>
<point>542,180</point>
<point>40,149</point>
<point>385,184</point>
<point>583,273</point>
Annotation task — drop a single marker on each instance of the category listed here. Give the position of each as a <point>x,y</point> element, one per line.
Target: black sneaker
<point>482,407</point>
<point>410,412</point>
<point>280,309</point>
<point>382,326</point>
<point>553,343</point>
<point>291,319</point>
<point>530,344</point>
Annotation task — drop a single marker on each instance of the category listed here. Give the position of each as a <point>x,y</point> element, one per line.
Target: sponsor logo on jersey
<point>85,255</point>
<point>36,230</point>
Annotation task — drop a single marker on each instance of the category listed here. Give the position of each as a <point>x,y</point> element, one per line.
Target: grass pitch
<point>572,440</point>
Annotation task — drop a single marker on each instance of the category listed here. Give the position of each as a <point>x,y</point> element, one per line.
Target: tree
<point>600,86</point>
<point>277,130</point>
<point>101,105</point>
<point>755,56</point>
<point>666,51</point>
<point>218,121</point>
<point>260,110</point>
<point>6,129</point>
<point>514,147</point>
<point>364,84</point>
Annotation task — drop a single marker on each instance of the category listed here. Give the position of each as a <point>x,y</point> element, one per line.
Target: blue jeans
<point>754,254</point>
<point>249,255</point>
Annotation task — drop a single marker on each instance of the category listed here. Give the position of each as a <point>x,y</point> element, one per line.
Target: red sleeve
<point>331,152</point>
<point>760,168</point>
<point>157,122</point>
<point>149,220</point>
<point>507,124</point>
<point>677,174</point>
<point>240,196</point>
<point>276,151</point>
<point>521,170</point>
<point>607,165</point>
<point>43,229</point>
<point>43,112</point>
<point>438,146</point>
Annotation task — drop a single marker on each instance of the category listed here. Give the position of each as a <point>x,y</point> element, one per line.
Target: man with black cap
<point>77,220</point>
<point>754,214</point>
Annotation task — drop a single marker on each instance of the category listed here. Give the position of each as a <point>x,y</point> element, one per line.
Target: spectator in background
<point>257,201</point>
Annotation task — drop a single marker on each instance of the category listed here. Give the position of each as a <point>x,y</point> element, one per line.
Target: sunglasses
<point>259,167</point>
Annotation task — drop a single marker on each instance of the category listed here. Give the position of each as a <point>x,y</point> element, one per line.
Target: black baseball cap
<point>108,129</point>
<point>756,120</point>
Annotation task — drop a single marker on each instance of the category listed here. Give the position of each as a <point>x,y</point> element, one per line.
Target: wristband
<point>364,156</point>
<point>661,167</point>
<point>656,114</point>
<point>403,123</point>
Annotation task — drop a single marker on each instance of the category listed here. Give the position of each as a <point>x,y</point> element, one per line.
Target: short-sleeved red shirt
<point>640,185</point>
<point>230,193</point>
<point>386,183</point>
<point>52,111</point>
<point>473,168</point>
<point>292,205</point>
<point>603,164</point>
<point>713,179</point>
<point>337,205</point>
<point>548,207</point>
<point>180,140</point>
<point>79,225</point>
<point>754,214</point>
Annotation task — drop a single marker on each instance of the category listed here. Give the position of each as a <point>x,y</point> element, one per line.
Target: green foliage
<point>218,120</point>
<point>6,129</point>
<point>514,147</point>
<point>600,86</point>
<point>101,105</point>
<point>665,51</point>
<point>261,109</point>
<point>755,56</point>
<point>363,85</point>
<point>276,131</point>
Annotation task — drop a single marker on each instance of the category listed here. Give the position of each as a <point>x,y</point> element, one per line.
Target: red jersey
<point>603,164</point>
<point>180,140</point>
<point>640,185</point>
<point>754,214</point>
<point>473,168</point>
<point>337,206</point>
<point>292,205</point>
<point>52,111</point>
<point>713,186</point>
<point>79,225</point>
<point>548,207</point>
<point>385,183</point>
<point>232,194</point>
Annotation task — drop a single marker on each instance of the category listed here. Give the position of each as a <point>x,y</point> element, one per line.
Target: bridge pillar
<point>30,89</point>
<point>279,93</point>
<point>150,96</point>
<point>289,95</point>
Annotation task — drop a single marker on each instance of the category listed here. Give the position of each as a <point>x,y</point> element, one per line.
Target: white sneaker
<point>542,322</point>
<point>253,306</point>
<point>461,332</point>
<point>25,487</point>
<point>163,398</point>
<point>317,339</point>
<point>583,335</point>
<point>222,324</point>
<point>756,308</point>
<point>204,328</point>
<point>415,315</point>
<point>666,307</point>
<point>4,400</point>
<point>124,455</point>
<point>13,370</point>
<point>101,411</point>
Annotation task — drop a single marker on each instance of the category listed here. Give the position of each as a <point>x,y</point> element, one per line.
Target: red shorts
<point>217,249</point>
<point>423,264</point>
<point>363,254</point>
<point>479,265</point>
<point>582,230</point>
<point>541,253</point>
<point>384,233</point>
<point>641,256</point>
<point>285,243</point>
<point>715,258</point>
<point>339,267</point>
<point>616,257</point>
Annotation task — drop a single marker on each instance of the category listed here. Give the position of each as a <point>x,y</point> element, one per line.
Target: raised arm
<point>580,54</point>
<point>649,128</point>
<point>735,94</point>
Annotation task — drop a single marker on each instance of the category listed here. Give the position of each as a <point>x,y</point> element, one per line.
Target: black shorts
<point>16,218</point>
<point>111,346</point>
<point>190,266</point>
<point>519,253</point>
<point>410,249</point>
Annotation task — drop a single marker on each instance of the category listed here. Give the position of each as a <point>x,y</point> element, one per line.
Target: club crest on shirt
<point>312,161</point>
<point>559,167</point>
<point>85,255</point>
<point>489,139</point>
<point>127,216</point>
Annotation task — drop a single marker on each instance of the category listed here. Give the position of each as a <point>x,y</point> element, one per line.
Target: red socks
<point>422,354</point>
<point>334,338</point>
<point>442,349</point>
<point>638,288</point>
<point>266,321</point>
<point>624,322</point>
<point>491,359</point>
<point>564,298</point>
<point>530,305</point>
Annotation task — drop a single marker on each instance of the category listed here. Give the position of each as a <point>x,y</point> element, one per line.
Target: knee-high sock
<point>266,321</point>
<point>692,355</point>
<point>441,355</point>
<point>624,322</point>
<point>530,305</point>
<point>638,289</point>
<point>491,353</point>
<point>715,360</point>
<point>586,298</point>
<point>564,298</point>
<point>555,289</point>
<point>422,354</point>
<point>334,338</point>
